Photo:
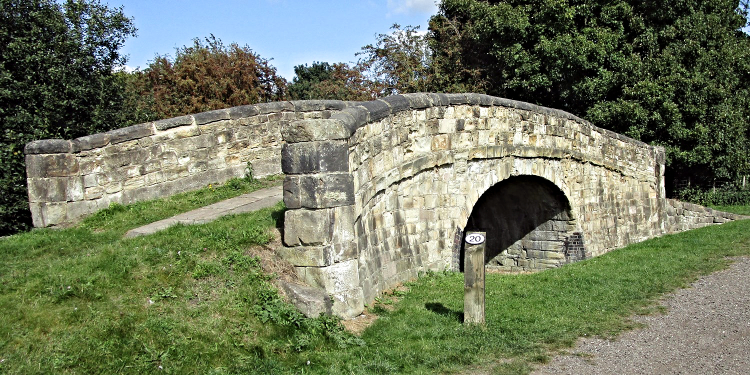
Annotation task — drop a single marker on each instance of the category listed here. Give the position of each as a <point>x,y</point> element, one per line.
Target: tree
<point>205,76</point>
<point>56,81</point>
<point>336,81</point>
<point>399,61</point>
<point>672,73</point>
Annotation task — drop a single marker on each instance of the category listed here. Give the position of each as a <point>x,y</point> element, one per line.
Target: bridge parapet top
<point>357,114</point>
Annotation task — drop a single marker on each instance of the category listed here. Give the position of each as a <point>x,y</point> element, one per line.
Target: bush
<point>729,195</point>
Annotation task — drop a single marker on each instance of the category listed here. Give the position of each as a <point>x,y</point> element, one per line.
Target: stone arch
<point>529,224</point>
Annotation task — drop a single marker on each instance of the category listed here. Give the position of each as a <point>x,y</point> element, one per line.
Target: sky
<point>287,32</point>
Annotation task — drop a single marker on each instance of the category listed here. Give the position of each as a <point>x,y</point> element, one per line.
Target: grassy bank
<point>742,210</point>
<point>529,315</point>
<point>189,299</point>
<point>195,299</point>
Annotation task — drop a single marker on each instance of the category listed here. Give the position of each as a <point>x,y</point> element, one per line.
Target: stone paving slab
<point>244,203</point>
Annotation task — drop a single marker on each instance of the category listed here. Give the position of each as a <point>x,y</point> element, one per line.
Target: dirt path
<point>706,330</point>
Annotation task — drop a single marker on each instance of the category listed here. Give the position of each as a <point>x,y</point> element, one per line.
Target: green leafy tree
<point>399,62</point>
<point>673,73</point>
<point>205,76</point>
<point>57,80</point>
<point>336,81</point>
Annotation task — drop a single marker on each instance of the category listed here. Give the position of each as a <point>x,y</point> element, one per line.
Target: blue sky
<point>291,32</point>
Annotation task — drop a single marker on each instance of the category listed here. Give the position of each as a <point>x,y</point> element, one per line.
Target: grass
<point>189,299</point>
<point>530,315</point>
<point>742,210</point>
<point>120,218</point>
<point>195,300</point>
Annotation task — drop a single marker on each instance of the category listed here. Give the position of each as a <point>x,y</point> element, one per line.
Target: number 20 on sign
<point>475,238</point>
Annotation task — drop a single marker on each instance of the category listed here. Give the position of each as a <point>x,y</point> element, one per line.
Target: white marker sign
<point>475,238</point>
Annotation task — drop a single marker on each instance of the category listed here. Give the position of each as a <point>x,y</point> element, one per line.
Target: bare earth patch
<point>271,262</point>
<point>387,301</point>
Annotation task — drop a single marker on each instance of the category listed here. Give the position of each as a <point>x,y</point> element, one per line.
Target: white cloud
<point>412,6</point>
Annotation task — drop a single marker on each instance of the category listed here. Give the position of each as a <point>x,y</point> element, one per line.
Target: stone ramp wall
<point>69,179</point>
<point>682,216</point>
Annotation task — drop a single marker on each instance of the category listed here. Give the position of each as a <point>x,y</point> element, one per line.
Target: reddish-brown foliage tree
<point>203,77</point>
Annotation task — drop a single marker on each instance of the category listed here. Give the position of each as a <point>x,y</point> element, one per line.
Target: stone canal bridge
<point>380,191</point>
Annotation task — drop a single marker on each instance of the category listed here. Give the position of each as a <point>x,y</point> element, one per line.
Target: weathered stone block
<point>74,191</point>
<point>457,99</point>
<point>51,165</point>
<point>310,301</point>
<point>292,192</point>
<point>37,214</point>
<point>418,100</point>
<point>48,146</point>
<point>447,126</point>
<point>130,133</point>
<point>314,157</point>
<point>348,304</point>
<point>314,130</point>
<point>48,189</point>
<point>318,105</point>
<point>331,190</point>
<point>77,210</point>
<point>307,227</point>
<point>204,118</point>
<point>441,142</point>
<point>307,256</point>
<point>341,281</point>
<point>398,103</point>
<point>55,214</point>
<point>90,142</point>
<point>173,122</point>
<point>352,117</point>
<point>376,109</point>
<point>243,111</point>
<point>343,235</point>
<point>275,107</point>
<point>336,278</point>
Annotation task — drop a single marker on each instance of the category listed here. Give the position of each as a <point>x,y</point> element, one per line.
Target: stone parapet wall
<point>682,216</point>
<point>69,179</point>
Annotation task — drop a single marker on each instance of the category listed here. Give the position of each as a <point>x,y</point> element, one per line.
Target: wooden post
<point>474,278</point>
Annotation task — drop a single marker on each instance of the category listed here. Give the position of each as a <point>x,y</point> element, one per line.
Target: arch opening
<point>529,226</point>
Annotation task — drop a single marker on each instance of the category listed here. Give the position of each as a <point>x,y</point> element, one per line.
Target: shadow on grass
<point>278,218</point>
<point>439,308</point>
